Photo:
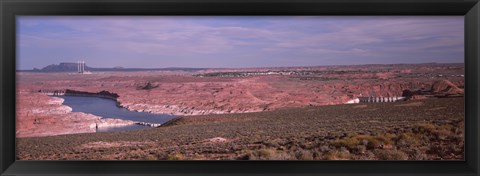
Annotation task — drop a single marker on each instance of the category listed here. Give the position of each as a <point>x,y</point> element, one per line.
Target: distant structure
<point>356,100</point>
<point>380,99</point>
<point>372,99</point>
<point>81,68</point>
<point>53,92</point>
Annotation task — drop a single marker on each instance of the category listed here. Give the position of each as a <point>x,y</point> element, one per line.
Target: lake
<point>108,108</point>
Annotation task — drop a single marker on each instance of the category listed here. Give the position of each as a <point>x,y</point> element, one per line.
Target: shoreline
<point>112,97</point>
<point>175,110</point>
<point>44,120</point>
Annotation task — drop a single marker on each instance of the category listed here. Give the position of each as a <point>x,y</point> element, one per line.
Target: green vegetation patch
<point>375,141</point>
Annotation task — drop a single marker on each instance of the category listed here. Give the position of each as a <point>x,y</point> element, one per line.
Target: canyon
<point>212,91</point>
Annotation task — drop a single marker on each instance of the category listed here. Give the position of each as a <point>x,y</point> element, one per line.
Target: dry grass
<point>176,156</point>
<point>149,157</point>
<point>347,142</point>
<point>273,154</point>
<point>304,155</point>
<point>337,155</point>
<point>426,127</point>
<point>371,141</point>
<point>408,139</point>
<point>417,103</point>
<point>360,106</point>
<point>390,154</point>
<point>439,131</point>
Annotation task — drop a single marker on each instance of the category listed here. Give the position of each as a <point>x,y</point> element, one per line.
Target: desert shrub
<point>201,157</point>
<point>446,127</point>
<point>377,141</point>
<point>436,150</point>
<point>443,131</point>
<point>351,134</point>
<point>461,125</point>
<point>390,154</point>
<point>304,155</point>
<point>346,142</point>
<point>425,127</point>
<point>282,156</point>
<point>417,154</point>
<point>243,157</point>
<point>316,154</point>
<point>408,139</point>
<point>273,143</point>
<point>149,157</point>
<point>360,149</point>
<point>293,148</point>
<point>135,154</point>
<point>176,156</point>
<point>266,154</point>
<point>324,148</point>
<point>442,134</point>
<point>336,155</point>
<point>372,141</point>
<point>261,154</point>
<point>437,131</point>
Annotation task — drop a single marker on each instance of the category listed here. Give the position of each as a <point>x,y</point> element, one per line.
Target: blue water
<point>108,108</point>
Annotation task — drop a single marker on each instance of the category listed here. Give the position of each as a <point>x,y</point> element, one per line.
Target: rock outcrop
<point>445,87</point>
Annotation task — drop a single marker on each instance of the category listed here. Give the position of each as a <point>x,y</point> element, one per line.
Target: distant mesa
<point>62,67</point>
<point>73,67</point>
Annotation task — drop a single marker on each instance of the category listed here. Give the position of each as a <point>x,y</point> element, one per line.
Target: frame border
<point>11,8</point>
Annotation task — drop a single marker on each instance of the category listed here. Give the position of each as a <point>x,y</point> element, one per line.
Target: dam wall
<point>149,124</point>
<point>52,92</point>
<point>380,99</point>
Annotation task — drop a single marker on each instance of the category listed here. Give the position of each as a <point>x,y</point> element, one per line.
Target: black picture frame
<point>11,8</point>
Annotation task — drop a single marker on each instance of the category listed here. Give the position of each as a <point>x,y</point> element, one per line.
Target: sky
<point>237,41</point>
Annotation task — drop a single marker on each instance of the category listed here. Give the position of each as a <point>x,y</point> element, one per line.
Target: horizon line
<point>248,67</point>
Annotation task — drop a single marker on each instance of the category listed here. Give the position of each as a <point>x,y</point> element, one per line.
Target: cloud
<point>364,39</point>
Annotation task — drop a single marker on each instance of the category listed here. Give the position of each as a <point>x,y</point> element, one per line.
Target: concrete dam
<point>376,99</point>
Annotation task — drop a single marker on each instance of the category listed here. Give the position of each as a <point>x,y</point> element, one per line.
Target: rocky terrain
<point>41,115</point>
<point>188,93</point>
<point>427,129</point>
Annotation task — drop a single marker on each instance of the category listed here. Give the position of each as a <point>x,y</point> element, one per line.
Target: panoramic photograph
<point>240,88</point>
